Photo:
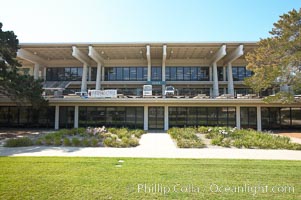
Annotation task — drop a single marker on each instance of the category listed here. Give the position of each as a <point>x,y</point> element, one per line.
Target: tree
<point>276,63</point>
<point>19,88</point>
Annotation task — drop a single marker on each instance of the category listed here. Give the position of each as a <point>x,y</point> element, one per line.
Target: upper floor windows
<point>125,73</point>
<point>156,73</point>
<point>240,73</point>
<point>64,74</point>
<point>187,74</point>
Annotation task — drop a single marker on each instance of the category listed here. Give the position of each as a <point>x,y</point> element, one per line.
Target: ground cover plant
<point>247,138</point>
<point>186,137</point>
<point>230,137</point>
<point>82,137</point>
<point>112,178</point>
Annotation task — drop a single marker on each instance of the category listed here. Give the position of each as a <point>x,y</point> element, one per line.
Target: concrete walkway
<point>154,145</point>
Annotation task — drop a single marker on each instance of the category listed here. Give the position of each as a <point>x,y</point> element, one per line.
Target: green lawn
<point>102,178</point>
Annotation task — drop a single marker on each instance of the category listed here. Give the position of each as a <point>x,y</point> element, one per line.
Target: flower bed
<point>81,137</point>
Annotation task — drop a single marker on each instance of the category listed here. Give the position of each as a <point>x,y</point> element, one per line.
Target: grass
<point>99,178</point>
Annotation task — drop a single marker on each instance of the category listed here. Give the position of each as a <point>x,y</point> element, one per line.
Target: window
<point>156,73</point>
<point>64,74</point>
<point>240,73</point>
<point>125,73</point>
<point>187,73</point>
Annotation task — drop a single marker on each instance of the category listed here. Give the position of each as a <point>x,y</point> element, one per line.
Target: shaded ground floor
<point>152,117</point>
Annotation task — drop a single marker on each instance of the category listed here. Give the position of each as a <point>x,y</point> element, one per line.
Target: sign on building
<point>102,93</point>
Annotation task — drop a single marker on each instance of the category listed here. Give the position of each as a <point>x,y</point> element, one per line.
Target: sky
<point>105,21</point>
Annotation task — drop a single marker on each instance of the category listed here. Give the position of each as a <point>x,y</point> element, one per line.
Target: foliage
<point>186,137</point>
<point>18,142</point>
<point>19,88</point>
<point>276,62</point>
<point>227,137</point>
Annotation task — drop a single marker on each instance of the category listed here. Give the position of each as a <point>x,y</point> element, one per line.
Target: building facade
<point>207,77</point>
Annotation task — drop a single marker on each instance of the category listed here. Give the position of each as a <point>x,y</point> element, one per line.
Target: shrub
<point>108,142</point>
<point>133,142</point>
<point>48,140</point>
<point>137,132</point>
<point>58,141</point>
<point>85,142</point>
<point>39,141</point>
<point>19,142</point>
<point>67,142</point>
<point>94,142</point>
<point>75,142</point>
<point>186,143</point>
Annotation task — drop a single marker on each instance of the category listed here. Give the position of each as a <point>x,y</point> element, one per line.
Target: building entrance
<point>156,118</point>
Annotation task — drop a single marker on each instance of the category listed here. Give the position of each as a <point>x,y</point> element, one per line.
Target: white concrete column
<point>145,118</point>
<point>237,117</point>
<point>76,117</point>
<point>98,76</point>
<point>259,127</point>
<point>57,118</point>
<point>36,70</point>
<point>149,65</point>
<point>215,80</point>
<point>224,73</point>
<point>210,73</point>
<point>103,74</point>
<point>89,73</point>
<point>166,122</point>
<point>44,73</point>
<point>84,78</point>
<point>230,80</point>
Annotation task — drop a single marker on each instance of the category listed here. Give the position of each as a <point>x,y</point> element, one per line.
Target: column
<point>230,80</point>
<point>57,117</point>
<point>210,73</point>
<point>145,118</point>
<point>102,74</point>
<point>84,78</point>
<point>259,118</point>
<point>89,73</point>
<point>76,117</point>
<point>224,73</point>
<point>215,80</point>
<point>166,124</point>
<point>36,70</point>
<point>163,79</point>
<point>237,117</point>
<point>149,68</point>
<point>98,74</point>
<point>44,73</point>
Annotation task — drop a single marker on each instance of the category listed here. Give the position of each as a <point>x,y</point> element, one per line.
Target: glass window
<point>156,73</point>
<point>194,73</point>
<point>93,73</point>
<point>126,73</point>
<point>173,74</point>
<point>133,73</point>
<point>180,73</point>
<point>220,73</point>
<point>187,74</point>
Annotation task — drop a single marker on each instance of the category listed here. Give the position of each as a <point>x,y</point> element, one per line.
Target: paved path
<point>154,145</point>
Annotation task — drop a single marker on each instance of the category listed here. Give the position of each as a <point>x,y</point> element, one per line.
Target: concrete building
<point>208,79</point>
